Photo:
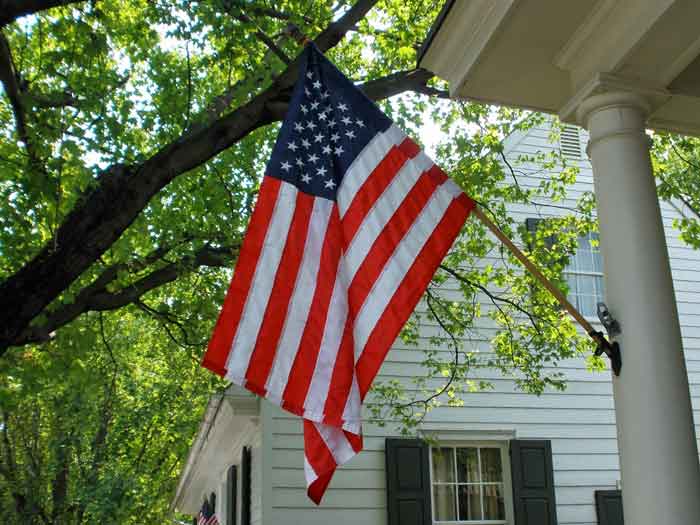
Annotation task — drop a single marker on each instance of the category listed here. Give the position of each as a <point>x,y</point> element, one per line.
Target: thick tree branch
<point>11,82</point>
<point>390,85</point>
<point>122,192</point>
<point>96,297</point>
<point>10,10</point>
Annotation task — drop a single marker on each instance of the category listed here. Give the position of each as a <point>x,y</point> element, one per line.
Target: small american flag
<point>206,515</point>
<point>351,222</point>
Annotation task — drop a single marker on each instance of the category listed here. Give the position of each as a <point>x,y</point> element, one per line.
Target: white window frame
<point>600,294</point>
<point>503,446</point>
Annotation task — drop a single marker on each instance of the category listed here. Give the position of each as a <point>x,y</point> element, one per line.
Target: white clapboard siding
<point>580,421</point>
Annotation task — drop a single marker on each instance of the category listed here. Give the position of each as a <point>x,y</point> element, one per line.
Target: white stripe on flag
<point>332,335</point>
<point>300,302</point>
<point>400,262</point>
<point>309,472</point>
<point>381,212</point>
<point>337,443</point>
<point>256,302</point>
<point>364,164</point>
<point>352,414</point>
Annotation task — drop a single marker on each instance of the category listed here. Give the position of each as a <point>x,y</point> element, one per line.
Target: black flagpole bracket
<point>603,346</point>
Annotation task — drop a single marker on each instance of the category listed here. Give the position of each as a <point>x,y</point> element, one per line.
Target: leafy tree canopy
<point>134,135</point>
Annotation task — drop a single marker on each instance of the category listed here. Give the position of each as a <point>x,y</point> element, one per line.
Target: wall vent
<point>570,142</point>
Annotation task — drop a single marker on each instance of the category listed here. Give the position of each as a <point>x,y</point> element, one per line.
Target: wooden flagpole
<point>556,292</point>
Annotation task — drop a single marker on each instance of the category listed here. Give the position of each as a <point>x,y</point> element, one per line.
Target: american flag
<point>206,515</point>
<point>351,222</point>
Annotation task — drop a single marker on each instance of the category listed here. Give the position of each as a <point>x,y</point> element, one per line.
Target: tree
<point>676,162</point>
<point>135,134</point>
<point>57,86</point>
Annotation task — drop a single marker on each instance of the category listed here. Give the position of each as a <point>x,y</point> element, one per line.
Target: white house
<point>505,457</point>
<point>614,67</point>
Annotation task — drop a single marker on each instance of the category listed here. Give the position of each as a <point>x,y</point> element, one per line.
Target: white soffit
<point>228,419</point>
<point>548,55</point>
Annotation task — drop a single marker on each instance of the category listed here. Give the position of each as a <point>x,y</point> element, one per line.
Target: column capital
<point>606,90</point>
<point>612,99</point>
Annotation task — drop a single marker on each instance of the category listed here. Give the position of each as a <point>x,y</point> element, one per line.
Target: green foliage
<point>676,161</point>
<point>95,425</point>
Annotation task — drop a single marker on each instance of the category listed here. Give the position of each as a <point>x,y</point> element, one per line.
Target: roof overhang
<point>549,55</point>
<point>228,418</point>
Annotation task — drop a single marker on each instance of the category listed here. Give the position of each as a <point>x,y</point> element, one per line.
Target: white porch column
<point>656,436</point>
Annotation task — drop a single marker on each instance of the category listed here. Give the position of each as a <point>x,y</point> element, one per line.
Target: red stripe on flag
<point>390,237</point>
<point>225,330</point>
<point>261,359</point>
<point>375,185</point>
<point>410,290</point>
<point>365,277</point>
<point>355,440</point>
<point>302,370</point>
<point>321,460</point>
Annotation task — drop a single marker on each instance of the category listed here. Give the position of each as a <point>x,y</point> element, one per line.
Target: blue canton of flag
<point>328,124</point>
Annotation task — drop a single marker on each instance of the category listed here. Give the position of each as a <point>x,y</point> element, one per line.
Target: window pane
<point>444,498</point>
<point>469,502</point>
<point>584,261</point>
<point>599,288</point>
<point>491,464</point>
<point>443,464</point>
<point>587,305</point>
<point>467,465</point>
<point>586,285</point>
<point>494,504</point>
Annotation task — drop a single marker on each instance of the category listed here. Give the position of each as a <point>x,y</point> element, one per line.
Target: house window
<point>584,275</point>
<point>468,484</point>
<point>570,142</point>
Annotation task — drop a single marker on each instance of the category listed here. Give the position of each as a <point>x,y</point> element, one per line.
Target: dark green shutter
<point>608,507</point>
<point>533,482</point>
<point>408,482</point>
<point>245,486</point>
<point>231,494</point>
